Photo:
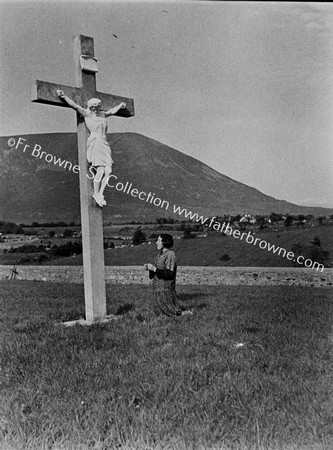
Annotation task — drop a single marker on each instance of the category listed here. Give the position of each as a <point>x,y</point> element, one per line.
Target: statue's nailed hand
<point>60,93</point>
<point>123,105</point>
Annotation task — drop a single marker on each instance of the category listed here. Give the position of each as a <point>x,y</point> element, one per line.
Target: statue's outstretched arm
<point>72,104</point>
<point>114,110</point>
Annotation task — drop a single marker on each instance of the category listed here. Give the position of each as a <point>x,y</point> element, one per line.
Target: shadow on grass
<point>123,309</point>
<point>190,296</point>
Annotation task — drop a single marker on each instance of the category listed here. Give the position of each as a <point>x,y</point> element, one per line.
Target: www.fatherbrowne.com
<point>248,237</point>
<point>164,204</point>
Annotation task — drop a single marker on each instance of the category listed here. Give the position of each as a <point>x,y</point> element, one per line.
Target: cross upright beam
<point>91,214</point>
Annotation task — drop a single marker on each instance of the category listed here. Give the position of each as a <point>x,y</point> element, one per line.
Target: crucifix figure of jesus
<point>93,148</point>
<point>98,148</point>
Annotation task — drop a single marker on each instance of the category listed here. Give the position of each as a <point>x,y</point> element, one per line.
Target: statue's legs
<point>107,173</point>
<point>97,184</point>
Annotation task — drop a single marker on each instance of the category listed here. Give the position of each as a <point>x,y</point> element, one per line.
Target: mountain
<point>317,204</point>
<point>34,188</point>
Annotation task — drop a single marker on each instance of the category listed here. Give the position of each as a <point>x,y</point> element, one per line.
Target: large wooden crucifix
<point>91,214</point>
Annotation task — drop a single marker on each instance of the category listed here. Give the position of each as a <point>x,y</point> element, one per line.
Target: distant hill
<point>32,189</point>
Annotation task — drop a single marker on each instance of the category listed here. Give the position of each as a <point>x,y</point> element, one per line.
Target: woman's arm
<point>164,274</point>
<point>168,273</point>
<point>170,267</point>
<point>72,104</point>
<point>114,110</point>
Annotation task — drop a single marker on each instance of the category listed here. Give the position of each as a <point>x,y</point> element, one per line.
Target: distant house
<point>247,218</point>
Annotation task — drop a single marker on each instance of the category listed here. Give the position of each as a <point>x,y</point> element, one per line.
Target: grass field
<point>250,369</point>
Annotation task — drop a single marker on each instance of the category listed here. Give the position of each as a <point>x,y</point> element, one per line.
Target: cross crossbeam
<point>45,92</point>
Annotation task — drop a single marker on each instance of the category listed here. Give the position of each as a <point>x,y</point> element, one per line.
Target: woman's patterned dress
<point>164,284</point>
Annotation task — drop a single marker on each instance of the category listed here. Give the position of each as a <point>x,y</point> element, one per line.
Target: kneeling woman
<point>163,274</point>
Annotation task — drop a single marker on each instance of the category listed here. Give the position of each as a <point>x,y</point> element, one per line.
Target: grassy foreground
<point>250,369</point>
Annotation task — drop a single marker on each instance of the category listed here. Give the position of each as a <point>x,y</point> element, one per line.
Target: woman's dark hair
<point>167,240</point>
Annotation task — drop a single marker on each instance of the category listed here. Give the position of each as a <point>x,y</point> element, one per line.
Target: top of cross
<point>86,68</point>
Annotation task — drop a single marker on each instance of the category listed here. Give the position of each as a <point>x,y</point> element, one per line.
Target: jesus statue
<point>98,148</point>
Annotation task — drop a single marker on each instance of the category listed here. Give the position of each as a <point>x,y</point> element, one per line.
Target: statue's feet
<point>99,200</point>
<point>103,200</point>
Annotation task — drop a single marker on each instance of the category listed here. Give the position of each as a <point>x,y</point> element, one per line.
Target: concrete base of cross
<point>83,322</point>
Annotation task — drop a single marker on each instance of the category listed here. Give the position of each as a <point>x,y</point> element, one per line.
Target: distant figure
<point>98,148</point>
<point>164,274</point>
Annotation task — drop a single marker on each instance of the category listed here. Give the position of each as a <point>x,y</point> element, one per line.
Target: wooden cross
<point>91,214</point>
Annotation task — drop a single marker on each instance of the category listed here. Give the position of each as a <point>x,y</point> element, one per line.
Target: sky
<point>245,87</point>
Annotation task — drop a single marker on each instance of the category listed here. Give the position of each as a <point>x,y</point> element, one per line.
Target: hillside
<point>208,251</point>
<point>33,189</point>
